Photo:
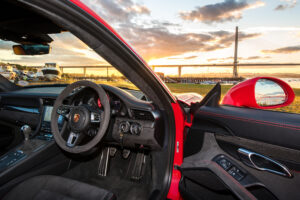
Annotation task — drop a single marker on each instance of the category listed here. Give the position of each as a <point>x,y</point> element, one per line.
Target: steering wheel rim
<point>105,117</point>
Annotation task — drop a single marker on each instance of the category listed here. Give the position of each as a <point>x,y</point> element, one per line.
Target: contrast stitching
<point>253,120</point>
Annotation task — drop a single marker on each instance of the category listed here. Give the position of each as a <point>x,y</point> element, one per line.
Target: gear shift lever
<point>26,130</point>
<point>29,145</point>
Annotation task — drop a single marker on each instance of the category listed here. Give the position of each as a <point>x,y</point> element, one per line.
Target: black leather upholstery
<point>278,128</point>
<point>57,188</point>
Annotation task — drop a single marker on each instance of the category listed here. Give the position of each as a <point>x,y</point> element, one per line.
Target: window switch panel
<point>230,167</point>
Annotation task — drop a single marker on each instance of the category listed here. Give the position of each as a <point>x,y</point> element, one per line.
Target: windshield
<point>68,60</point>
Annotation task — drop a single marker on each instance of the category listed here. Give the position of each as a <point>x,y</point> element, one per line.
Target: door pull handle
<point>263,163</point>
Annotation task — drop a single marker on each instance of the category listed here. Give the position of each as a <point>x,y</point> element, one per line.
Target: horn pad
<point>79,119</point>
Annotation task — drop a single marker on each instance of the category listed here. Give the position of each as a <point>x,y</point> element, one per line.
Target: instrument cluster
<point>90,98</point>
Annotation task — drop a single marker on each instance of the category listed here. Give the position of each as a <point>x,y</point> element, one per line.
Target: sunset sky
<point>192,32</point>
<point>202,31</point>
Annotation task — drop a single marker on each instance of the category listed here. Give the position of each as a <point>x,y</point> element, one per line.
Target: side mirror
<point>31,49</point>
<point>260,92</point>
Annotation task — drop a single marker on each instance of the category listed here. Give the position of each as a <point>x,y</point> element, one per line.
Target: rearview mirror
<point>260,92</point>
<point>31,49</point>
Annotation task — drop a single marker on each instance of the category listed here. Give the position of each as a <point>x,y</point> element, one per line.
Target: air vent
<point>142,115</point>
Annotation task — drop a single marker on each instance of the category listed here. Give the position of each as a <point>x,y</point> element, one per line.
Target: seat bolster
<point>57,188</point>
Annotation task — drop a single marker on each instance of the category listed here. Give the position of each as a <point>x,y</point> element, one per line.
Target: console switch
<point>132,128</point>
<point>10,159</point>
<point>135,129</point>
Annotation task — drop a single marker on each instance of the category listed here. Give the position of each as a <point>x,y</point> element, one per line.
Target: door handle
<point>263,163</point>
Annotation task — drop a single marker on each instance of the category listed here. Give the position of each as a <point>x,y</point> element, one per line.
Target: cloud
<point>284,50</point>
<point>288,4</point>
<point>219,59</point>
<point>162,23</point>
<point>281,7</point>
<point>152,38</point>
<point>183,58</point>
<point>255,57</point>
<point>117,11</point>
<point>229,59</point>
<point>226,38</point>
<point>159,42</point>
<point>228,10</point>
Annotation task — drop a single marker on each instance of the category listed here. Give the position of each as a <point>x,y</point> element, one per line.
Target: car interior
<point>97,141</point>
<point>240,153</point>
<point>115,137</point>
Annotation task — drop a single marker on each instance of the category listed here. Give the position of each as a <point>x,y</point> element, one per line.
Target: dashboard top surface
<point>55,90</point>
<point>132,98</point>
<point>39,90</point>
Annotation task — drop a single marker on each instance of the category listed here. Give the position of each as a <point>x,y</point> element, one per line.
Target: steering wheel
<point>79,119</point>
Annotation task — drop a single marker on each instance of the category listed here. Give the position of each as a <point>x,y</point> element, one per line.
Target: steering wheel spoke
<point>96,116</point>
<point>74,139</point>
<point>64,110</point>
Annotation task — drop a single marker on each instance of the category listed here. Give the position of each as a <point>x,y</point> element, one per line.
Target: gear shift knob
<point>26,130</point>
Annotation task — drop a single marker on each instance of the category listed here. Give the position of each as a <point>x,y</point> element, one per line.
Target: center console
<point>30,146</point>
<point>11,158</point>
<point>37,154</point>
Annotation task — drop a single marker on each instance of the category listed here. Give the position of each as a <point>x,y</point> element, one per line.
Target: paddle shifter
<point>26,130</point>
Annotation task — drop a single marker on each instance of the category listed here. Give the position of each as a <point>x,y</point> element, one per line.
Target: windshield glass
<point>69,60</point>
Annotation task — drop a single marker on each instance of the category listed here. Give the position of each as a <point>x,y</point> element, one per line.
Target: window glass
<point>69,60</point>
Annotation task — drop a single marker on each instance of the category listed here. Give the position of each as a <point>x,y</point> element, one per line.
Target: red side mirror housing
<point>260,92</point>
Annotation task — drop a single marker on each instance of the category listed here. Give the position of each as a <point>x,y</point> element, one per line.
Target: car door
<point>240,153</point>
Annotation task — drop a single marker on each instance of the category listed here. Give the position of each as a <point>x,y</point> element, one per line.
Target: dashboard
<point>135,122</point>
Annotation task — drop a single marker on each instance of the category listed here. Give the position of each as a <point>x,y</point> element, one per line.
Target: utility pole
<point>106,73</point>
<point>235,62</point>
<point>179,71</point>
